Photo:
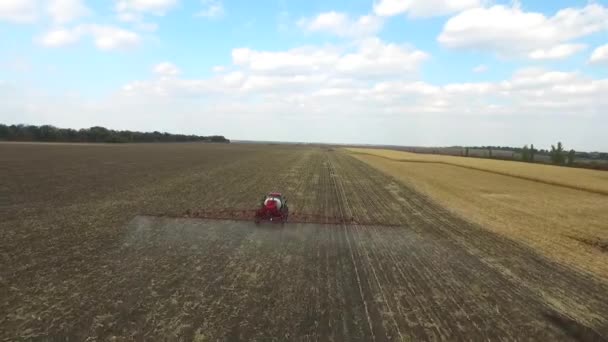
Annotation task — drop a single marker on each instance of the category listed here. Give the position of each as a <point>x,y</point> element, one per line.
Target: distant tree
<point>525,154</point>
<point>557,154</point>
<point>571,156</point>
<point>532,153</point>
<point>48,133</point>
<point>95,134</point>
<point>4,132</point>
<point>489,152</point>
<point>466,152</point>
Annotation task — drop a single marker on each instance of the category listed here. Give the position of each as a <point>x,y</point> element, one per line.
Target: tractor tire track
<point>434,223</point>
<point>342,204</point>
<point>374,282</point>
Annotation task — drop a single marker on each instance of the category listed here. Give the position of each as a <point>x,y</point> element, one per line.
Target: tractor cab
<point>274,199</point>
<point>274,206</point>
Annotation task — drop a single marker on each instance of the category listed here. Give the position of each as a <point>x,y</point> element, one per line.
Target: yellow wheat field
<point>576,178</point>
<point>567,225</point>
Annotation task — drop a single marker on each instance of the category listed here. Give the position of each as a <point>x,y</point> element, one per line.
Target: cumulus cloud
<point>600,55</point>
<point>113,38</point>
<point>166,69</point>
<point>157,7</point>
<point>211,9</point>
<point>64,11</point>
<point>104,37</point>
<point>61,37</point>
<point>137,20</point>
<point>528,91</point>
<point>370,58</point>
<point>341,24</point>
<point>374,77</point>
<point>29,11</point>
<point>324,72</point>
<point>133,11</point>
<point>18,11</point>
<point>374,57</point>
<point>557,52</point>
<point>304,59</point>
<point>423,8</point>
<point>512,32</point>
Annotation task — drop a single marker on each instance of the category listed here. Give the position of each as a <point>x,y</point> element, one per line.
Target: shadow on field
<point>572,328</point>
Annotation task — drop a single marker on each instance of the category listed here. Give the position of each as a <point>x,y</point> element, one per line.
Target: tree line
<point>557,154</point>
<point>48,133</point>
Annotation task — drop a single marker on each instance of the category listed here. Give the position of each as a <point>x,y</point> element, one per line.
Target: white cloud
<point>372,77</point>
<point>301,59</point>
<point>531,91</point>
<point>64,11</point>
<point>533,78</point>
<point>158,7</point>
<point>324,72</point>
<point>104,37</point>
<point>557,52</point>
<point>129,17</point>
<point>341,24</point>
<point>61,37</point>
<point>511,32</point>
<point>137,20</point>
<point>113,38</point>
<point>600,55</point>
<point>133,11</point>
<point>480,69</point>
<point>527,92</point>
<point>370,58</point>
<point>166,69</point>
<point>18,11</point>
<point>377,58</point>
<point>211,9</point>
<point>423,8</point>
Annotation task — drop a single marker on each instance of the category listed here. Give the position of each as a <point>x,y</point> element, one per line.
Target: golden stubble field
<point>575,178</point>
<point>568,225</point>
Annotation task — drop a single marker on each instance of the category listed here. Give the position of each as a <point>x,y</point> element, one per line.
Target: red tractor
<point>274,208</point>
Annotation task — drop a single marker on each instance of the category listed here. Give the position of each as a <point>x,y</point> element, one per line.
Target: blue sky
<point>409,72</point>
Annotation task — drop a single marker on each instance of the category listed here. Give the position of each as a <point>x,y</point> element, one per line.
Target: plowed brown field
<point>85,254</point>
